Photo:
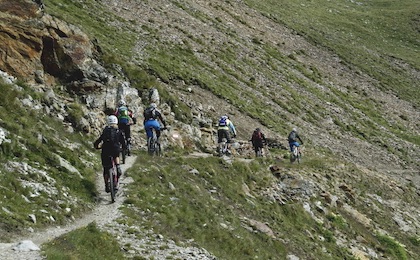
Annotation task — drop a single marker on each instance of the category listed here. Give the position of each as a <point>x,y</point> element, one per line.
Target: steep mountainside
<point>355,105</point>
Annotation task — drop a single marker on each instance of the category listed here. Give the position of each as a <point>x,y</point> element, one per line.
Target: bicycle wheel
<point>293,154</point>
<point>128,147</point>
<point>123,155</point>
<point>158,149</point>
<point>259,152</point>
<point>112,183</point>
<point>150,148</point>
<point>299,156</point>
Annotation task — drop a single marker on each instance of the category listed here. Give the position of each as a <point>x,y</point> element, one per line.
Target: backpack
<point>149,113</point>
<point>111,137</point>
<point>123,116</point>
<point>256,136</point>
<point>223,121</point>
<point>292,137</point>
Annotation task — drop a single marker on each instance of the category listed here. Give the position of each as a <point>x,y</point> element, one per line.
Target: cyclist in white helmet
<point>292,139</point>
<point>112,139</point>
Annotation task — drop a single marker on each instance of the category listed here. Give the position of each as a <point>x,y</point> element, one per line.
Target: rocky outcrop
<point>40,48</point>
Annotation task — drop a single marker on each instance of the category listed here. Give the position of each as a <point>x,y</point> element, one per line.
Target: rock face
<point>34,45</point>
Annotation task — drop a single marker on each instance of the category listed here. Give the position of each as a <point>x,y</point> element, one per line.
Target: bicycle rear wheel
<point>299,155</point>
<point>259,152</point>
<point>124,155</point>
<point>150,145</point>
<point>293,154</point>
<point>158,149</point>
<point>112,183</point>
<point>128,147</point>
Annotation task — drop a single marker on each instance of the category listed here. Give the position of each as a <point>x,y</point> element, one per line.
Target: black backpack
<point>256,136</point>
<point>292,136</point>
<point>149,113</point>
<point>111,136</point>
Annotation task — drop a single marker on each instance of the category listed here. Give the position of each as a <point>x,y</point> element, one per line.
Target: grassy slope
<point>35,141</point>
<point>376,36</point>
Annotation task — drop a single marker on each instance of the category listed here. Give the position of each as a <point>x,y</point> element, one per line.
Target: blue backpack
<point>223,121</point>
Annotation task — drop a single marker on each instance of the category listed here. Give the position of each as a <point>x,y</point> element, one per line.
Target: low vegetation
<point>39,143</point>
<point>85,243</point>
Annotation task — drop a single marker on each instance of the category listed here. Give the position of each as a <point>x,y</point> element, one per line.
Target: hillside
<point>345,73</point>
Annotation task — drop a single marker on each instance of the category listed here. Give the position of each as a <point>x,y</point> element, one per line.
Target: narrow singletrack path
<point>25,248</point>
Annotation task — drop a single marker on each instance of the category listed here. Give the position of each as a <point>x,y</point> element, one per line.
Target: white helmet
<point>294,129</point>
<point>121,103</point>
<point>112,120</point>
<point>153,105</point>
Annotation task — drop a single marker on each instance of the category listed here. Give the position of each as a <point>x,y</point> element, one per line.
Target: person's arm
<point>131,114</point>
<point>232,128</point>
<point>97,142</point>
<point>263,138</point>
<point>298,137</point>
<point>159,115</point>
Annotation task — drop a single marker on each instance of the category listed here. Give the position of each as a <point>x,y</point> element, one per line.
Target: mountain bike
<point>295,155</point>
<point>112,180</point>
<point>153,145</point>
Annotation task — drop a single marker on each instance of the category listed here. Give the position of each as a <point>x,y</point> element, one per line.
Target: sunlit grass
<point>85,243</point>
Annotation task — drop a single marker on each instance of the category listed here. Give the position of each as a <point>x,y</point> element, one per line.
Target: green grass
<point>392,247</point>
<point>35,143</point>
<point>375,36</point>
<point>85,243</point>
<point>211,207</point>
<point>96,22</point>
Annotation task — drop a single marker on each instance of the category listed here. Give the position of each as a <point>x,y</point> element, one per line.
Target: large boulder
<point>34,46</point>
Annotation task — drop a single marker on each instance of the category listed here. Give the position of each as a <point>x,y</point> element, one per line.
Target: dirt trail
<point>104,212</point>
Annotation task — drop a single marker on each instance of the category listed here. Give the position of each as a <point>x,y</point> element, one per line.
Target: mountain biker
<point>125,119</point>
<point>292,139</point>
<point>258,140</point>
<point>224,130</point>
<point>112,138</point>
<point>151,115</point>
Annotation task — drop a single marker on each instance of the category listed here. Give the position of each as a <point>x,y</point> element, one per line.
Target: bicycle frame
<point>223,147</point>
<point>295,154</point>
<point>153,146</point>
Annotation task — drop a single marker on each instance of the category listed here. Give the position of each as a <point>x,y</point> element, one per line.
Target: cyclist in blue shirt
<point>292,139</point>
<point>151,116</point>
